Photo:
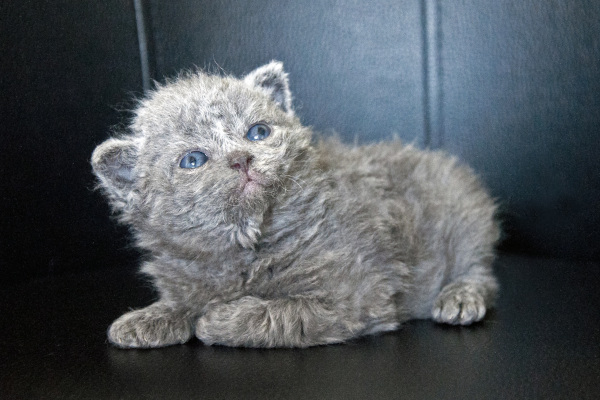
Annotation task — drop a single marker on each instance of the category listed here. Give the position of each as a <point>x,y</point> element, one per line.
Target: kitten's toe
<point>141,329</point>
<point>459,305</point>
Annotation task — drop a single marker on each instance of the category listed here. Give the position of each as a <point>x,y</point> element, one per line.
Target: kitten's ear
<point>272,79</point>
<point>113,162</point>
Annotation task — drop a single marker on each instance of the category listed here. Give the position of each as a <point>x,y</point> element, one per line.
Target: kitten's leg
<point>471,233</point>
<point>465,299</point>
<point>157,325</point>
<point>254,322</point>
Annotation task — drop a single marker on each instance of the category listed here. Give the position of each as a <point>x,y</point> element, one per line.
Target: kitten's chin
<point>252,188</point>
<point>251,198</point>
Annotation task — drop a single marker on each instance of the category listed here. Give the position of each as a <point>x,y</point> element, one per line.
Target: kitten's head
<point>205,159</point>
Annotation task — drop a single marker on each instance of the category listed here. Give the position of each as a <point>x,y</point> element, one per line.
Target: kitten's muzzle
<point>240,161</point>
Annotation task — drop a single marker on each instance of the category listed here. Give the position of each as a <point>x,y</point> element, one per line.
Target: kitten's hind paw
<point>459,304</point>
<point>153,326</point>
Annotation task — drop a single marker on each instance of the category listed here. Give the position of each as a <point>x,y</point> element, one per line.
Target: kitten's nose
<point>240,161</point>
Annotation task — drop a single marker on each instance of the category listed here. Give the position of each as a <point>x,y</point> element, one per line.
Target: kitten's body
<point>286,243</point>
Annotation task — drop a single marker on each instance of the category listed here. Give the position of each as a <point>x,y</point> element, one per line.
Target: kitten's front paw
<point>227,324</point>
<point>150,327</point>
<point>459,304</point>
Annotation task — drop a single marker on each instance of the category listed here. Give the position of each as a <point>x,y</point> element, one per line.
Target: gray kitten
<point>259,237</point>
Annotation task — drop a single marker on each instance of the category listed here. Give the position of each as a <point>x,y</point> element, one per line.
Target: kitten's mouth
<point>251,186</point>
<point>252,181</point>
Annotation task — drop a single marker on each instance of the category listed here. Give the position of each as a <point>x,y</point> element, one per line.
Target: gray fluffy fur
<point>329,242</point>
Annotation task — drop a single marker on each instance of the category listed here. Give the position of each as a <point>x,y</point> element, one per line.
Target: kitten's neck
<point>302,205</point>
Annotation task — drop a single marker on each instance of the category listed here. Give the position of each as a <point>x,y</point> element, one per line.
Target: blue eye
<point>193,159</point>
<point>258,132</point>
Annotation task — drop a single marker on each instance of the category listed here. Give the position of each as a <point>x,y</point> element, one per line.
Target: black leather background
<point>66,68</point>
<point>521,87</point>
<point>511,87</point>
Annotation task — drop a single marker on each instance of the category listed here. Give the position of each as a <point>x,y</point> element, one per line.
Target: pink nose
<point>240,161</point>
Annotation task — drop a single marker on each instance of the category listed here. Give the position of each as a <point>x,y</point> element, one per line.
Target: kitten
<point>260,237</point>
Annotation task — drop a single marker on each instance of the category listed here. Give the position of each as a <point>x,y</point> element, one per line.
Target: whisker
<point>295,181</point>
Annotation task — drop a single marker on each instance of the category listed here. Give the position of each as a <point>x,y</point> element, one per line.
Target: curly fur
<point>328,243</point>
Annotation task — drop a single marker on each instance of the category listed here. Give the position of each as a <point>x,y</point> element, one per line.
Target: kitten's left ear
<point>113,163</point>
<point>272,79</point>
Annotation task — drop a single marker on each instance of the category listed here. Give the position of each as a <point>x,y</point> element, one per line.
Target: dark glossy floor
<point>542,342</point>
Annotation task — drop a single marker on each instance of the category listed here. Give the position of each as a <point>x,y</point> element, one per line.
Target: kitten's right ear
<point>272,79</point>
<point>113,162</point>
